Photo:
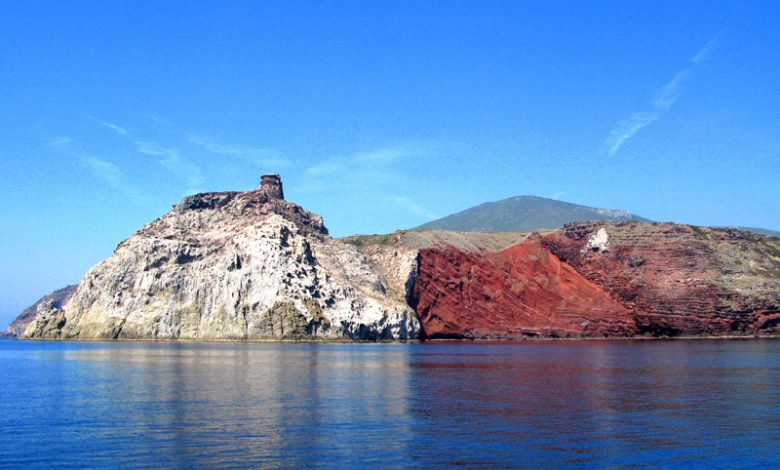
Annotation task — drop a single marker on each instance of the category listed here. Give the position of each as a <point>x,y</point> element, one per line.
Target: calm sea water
<point>531,404</point>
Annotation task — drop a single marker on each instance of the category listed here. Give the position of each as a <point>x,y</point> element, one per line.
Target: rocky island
<point>253,266</point>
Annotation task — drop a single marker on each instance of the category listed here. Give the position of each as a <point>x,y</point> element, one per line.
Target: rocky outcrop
<point>55,300</point>
<point>395,256</point>
<point>235,265</point>
<point>678,279</point>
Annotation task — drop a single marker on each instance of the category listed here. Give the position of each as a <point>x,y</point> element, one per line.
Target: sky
<point>378,115</point>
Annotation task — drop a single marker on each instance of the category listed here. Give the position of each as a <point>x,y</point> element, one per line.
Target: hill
<point>525,214</point>
<point>761,231</point>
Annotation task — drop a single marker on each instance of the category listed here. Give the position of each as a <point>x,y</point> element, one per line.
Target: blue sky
<point>379,116</point>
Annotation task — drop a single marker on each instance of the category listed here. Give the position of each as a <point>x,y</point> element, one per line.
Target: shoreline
<point>407,341</point>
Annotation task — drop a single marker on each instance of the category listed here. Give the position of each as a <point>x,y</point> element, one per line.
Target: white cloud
<point>626,129</point>
<point>382,155</point>
<point>327,167</point>
<point>60,142</point>
<point>187,172</point>
<point>171,159</point>
<point>410,149</point>
<point>413,207</point>
<point>262,157</point>
<point>114,127</point>
<point>376,159</point>
<point>159,119</point>
<point>376,175</point>
<point>664,98</point>
<point>705,51</point>
<point>668,94</point>
<point>104,170</point>
<point>111,175</point>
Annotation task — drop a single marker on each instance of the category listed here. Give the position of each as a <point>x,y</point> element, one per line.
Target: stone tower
<point>271,186</point>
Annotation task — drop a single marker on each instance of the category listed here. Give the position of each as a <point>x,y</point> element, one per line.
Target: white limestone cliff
<point>236,265</point>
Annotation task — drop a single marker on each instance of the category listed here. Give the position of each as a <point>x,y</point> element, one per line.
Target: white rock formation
<point>238,265</point>
<point>599,241</point>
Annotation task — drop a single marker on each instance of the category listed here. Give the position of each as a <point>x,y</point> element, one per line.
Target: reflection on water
<point>611,403</point>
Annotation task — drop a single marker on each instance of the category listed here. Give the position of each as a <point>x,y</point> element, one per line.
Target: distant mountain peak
<point>525,213</point>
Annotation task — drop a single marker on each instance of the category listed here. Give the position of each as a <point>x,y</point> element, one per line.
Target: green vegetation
<point>758,231</point>
<point>698,231</point>
<point>361,241</point>
<point>358,242</point>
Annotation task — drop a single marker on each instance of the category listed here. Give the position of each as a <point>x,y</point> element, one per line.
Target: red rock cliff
<point>604,279</point>
<point>679,280</point>
<point>524,290</point>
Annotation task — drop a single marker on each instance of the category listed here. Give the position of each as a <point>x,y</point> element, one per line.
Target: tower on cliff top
<point>271,186</point>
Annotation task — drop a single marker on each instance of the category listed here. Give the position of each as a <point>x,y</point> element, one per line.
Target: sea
<point>532,404</point>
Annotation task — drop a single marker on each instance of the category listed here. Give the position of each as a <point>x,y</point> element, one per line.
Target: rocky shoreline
<point>759,337</point>
<point>251,266</point>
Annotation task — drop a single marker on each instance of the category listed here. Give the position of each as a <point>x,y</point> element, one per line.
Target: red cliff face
<point>604,279</point>
<point>524,290</point>
<point>679,280</point>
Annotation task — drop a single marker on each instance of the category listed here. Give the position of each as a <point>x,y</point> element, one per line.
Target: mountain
<point>253,266</point>
<point>524,214</point>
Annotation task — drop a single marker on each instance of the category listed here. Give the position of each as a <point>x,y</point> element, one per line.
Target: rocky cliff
<point>678,279</point>
<point>591,279</point>
<point>232,265</point>
<point>54,300</point>
<point>250,265</point>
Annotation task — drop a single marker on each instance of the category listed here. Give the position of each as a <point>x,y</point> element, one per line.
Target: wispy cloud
<point>412,206</point>
<point>705,51</point>
<point>60,142</point>
<point>664,98</point>
<point>376,175</point>
<point>377,158</point>
<point>104,170</point>
<point>159,119</point>
<point>111,175</point>
<point>171,159</point>
<point>114,127</point>
<point>262,157</point>
<point>392,154</point>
